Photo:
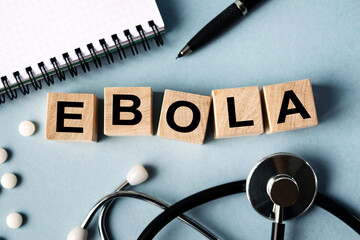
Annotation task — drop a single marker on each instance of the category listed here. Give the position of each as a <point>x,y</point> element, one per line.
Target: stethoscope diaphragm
<point>281,179</point>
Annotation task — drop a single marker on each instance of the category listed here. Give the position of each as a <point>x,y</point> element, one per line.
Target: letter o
<point>171,113</point>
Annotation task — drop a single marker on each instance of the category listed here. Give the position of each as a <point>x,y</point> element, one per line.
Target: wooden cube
<point>289,106</point>
<point>128,111</point>
<point>71,117</point>
<point>237,112</point>
<point>184,116</point>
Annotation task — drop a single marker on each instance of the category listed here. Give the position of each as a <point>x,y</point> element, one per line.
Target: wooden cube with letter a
<point>128,111</point>
<point>71,117</point>
<point>184,116</point>
<point>237,112</point>
<point>289,106</point>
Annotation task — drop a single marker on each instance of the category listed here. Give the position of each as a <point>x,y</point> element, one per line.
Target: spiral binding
<point>23,88</point>
<point>60,74</point>
<point>36,84</point>
<point>47,78</point>
<point>108,54</point>
<point>85,66</point>
<point>94,56</point>
<point>143,37</point>
<point>131,42</point>
<point>71,69</point>
<point>158,39</point>
<point>118,46</point>
<point>11,92</point>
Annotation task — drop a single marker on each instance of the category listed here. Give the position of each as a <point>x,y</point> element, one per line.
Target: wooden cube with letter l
<point>289,106</point>
<point>71,117</point>
<point>184,116</point>
<point>128,111</point>
<point>237,112</point>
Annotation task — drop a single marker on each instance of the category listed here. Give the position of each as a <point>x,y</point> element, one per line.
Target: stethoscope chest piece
<point>283,180</point>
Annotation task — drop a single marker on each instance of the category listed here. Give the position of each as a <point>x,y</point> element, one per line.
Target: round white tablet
<point>14,220</point>
<point>3,155</point>
<point>9,180</point>
<point>27,128</point>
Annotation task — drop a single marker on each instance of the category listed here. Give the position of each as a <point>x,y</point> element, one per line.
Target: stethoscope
<point>280,187</point>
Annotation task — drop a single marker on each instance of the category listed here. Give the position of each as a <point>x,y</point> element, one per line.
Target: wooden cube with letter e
<point>184,116</point>
<point>128,111</point>
<point>71,117</point>
<point>237,112</point>
<point>289,106</point>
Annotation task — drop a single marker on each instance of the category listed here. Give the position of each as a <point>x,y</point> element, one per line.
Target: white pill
<point>14,220</point>
<point>27,128</point>
<point>3,155</point>
<point>9,180</point>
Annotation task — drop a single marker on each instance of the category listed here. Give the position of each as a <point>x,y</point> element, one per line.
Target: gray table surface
<point>281,41</point>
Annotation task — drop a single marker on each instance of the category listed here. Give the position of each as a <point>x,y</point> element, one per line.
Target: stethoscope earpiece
<point>77,233</point>
<point>137,175</point>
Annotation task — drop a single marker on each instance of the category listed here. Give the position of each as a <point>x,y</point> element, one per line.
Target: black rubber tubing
<point>228,189</point>
<point>339,211</point>
<point>190,202</point>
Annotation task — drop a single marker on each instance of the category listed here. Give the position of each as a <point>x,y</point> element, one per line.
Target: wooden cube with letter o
<point>184,116</point>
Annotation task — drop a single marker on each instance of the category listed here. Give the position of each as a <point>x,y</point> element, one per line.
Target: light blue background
<point>279,42</point>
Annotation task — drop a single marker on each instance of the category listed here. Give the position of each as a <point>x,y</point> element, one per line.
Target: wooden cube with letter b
<point>71,117</point>
<point>184,116</point>
<point>289,106</point>
<point>128,111</point>
<point>237,112</point>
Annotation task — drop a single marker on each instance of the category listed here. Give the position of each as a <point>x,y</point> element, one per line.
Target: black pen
<point>219,24</point>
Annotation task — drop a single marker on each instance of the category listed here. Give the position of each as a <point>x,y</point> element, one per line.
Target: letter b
<point>128,111</point>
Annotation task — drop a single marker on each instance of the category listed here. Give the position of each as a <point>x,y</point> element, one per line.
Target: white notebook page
<point>32,31</point>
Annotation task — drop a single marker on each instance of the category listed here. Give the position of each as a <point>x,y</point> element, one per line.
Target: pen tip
<point>185,51</point>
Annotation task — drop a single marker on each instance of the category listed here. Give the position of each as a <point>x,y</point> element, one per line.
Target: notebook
<point>46,41</point>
